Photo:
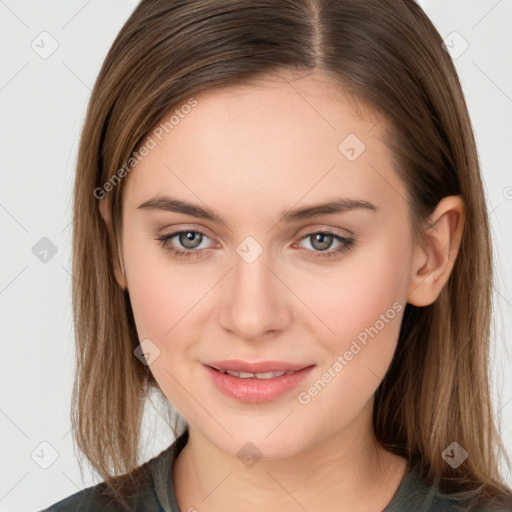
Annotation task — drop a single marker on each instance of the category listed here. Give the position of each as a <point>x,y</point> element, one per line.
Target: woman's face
<point>262,283</point>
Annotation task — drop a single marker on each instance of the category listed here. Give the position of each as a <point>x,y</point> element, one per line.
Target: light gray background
<point>43,103</point>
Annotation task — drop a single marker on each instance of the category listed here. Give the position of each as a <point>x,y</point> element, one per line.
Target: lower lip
<point>257,391</point>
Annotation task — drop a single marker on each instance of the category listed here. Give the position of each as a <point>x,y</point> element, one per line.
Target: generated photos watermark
<point>361,341</point>
<point>151,142</point>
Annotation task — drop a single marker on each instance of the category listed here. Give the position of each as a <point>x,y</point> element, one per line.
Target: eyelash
<point>346,244</point>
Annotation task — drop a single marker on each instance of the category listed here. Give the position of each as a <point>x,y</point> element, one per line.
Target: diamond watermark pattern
<point>249,454</point>
<point>351,147</point>
<point>455,455</point>
<point>44,45</point>
<point>455,45</point>
<point>249,249</point>
<point>44,455</point>
<point>147,352</point>
<point>44,250</point>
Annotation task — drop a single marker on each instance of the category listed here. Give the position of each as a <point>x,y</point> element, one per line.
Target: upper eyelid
<point>310,230</point>
<point>175,232</point>
<point>337,236</point>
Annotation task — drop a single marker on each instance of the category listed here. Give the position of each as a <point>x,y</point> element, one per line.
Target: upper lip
<point>256,367</point>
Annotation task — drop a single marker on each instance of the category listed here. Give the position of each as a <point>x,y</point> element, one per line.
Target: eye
<point>188,242</point>
<point>189,239</point>
<point>321,241</point>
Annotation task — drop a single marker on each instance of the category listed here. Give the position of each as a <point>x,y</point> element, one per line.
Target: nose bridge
<point>254,302</point>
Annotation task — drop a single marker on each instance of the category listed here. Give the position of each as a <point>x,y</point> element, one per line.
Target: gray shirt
<point>157,492</point>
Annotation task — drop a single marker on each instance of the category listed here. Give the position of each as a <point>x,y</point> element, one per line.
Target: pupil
<point>189,241</point>
<point>325,241</point>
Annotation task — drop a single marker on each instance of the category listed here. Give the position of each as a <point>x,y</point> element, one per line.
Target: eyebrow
<point>338,205</point>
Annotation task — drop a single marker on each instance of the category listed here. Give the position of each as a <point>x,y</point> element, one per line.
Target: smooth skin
<point>249,153</point>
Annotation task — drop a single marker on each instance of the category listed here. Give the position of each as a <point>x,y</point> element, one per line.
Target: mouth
<point>260,375</point>
<point>255,368</point>
<point>257,382</point>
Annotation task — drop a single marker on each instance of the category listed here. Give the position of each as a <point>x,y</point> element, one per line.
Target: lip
<point>256,367</point>
<point>258,390</point>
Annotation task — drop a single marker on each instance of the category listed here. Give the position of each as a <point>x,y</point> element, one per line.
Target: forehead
<point>281,139</point>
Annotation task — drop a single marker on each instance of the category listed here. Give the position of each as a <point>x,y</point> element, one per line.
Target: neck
<point>348,471</point>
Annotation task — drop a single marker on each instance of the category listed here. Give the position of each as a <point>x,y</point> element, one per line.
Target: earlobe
<point>115,250</point>
<point>433,260</point>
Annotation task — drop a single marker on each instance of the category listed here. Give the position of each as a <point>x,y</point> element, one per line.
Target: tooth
<point>245,375</point>
<point>268,375</point>
<point>249,375</point>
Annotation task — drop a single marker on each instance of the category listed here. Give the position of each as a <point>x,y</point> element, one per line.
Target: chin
<point>256,443</point>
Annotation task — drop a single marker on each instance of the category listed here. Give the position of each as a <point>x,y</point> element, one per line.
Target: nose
<point>255,302</point>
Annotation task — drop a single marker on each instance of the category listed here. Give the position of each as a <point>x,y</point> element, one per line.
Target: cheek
<point>364,307</point>
<point>165,301</point>
<point>353,295</point>
<point>162,297</point>
<point>162,293</point>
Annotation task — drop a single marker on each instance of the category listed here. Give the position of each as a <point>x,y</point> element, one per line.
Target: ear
<point>115,251</point>
<point>434,257</point>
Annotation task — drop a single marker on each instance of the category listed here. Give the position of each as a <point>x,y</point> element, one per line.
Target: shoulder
<point>447,502</point>
<point>443,503</point>
<point>414,493</point>
<point>92,499</point>
<point>139,493</point>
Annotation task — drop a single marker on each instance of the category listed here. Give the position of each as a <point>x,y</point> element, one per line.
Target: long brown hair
<point>389,56</point>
